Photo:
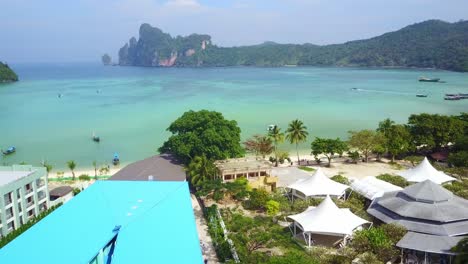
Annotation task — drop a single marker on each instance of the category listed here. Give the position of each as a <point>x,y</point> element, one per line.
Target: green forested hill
<point>430,44</point>
<point>7,74</point>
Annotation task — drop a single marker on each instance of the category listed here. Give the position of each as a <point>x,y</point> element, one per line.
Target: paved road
<point>206,243</point>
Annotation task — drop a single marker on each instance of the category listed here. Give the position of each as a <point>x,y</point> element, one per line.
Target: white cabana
<point>317,185</point>
<point>326,219</point>
<point>371,187</point>
<point>425,171</point>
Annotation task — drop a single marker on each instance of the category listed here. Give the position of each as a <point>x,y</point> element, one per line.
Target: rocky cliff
<point>158,49</point>
<point>7,74</point>
<point>429,44</point>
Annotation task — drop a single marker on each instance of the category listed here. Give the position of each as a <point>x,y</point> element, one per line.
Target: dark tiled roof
<point>162,167</point>
<point>428,243</point>
<point>425,208</point>
<point>60,191</point>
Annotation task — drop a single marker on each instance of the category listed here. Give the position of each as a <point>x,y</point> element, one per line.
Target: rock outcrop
<point>7,74</point>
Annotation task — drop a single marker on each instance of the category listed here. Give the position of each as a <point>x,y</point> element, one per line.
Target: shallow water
<point>135,105</point>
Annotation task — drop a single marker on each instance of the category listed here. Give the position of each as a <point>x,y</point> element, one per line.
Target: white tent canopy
<point>327,219</point>
<point>425,171</point>
<point>317,185</point>
<point>371,187</point>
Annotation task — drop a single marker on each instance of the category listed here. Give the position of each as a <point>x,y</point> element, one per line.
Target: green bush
<point>84,177</point>
<point>458,188</point>
<point>379,241</point>
<point>306,168</point>
<point>393,179</point>
<point>257,199</point>
<point>221,246</point>
<point>341,179</point>
<point>459,159</point>
<point>76,191</point>
<point>272,207</point>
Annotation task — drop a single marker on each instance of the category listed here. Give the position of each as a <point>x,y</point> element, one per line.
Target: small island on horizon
<point>7,74</point>
<point>429,44</point>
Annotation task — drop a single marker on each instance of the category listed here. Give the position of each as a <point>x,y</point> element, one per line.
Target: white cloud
<point>183,3</point>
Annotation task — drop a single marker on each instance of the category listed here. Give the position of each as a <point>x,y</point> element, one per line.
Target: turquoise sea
<point>135,105</point>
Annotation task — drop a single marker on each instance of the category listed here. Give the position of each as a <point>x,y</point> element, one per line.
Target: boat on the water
<point>116,159</point>
<point>9,150</point>
<point>425,79</point>
<point>96,138</point>
<point>271,127</point>
<point>421,95</point>
<point>455,97</point>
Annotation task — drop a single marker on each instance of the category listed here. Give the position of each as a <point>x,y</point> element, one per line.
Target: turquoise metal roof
<point>156,218</point>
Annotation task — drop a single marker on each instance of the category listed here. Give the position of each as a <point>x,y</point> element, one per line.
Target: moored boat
<point>9,150</point>
<point>421,95</point>
<point>96,139</point>
<point>116,159</point>
<point>271,127</point>
<point>425,79</point>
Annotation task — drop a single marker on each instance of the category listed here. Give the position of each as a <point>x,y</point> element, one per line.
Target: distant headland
<point>429,44</point>
<point>7,74</point>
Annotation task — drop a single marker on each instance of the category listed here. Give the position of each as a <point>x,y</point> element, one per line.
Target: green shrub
<point>393,179</point>
<point>458,188</point>
<point>257,199</point>
<point>459,159</point>
<point>221,246</point>
<point>84,177</point>
<point>76,191</point>
<point>341,179</point>
<point>272,207</point>
<point>306,168</point>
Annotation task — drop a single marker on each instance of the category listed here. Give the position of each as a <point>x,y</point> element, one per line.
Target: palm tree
<point>200,169</point>
<point>72,165</point>
<point>296,133</point>
<point>47,166</point>
<point>95,169</point>
<point>277,137</point>
<point>265,146</point>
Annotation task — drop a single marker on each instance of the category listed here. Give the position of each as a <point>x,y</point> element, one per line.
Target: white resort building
<point>23,195</point>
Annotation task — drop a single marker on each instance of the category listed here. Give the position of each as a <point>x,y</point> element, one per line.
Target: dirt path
<point>206,243</point>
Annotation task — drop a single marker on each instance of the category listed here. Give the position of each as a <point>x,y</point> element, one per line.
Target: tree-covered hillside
<point>7,74</point>
<point>430,44</point>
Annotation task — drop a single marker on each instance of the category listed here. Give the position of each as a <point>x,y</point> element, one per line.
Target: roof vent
<point>150,178</point>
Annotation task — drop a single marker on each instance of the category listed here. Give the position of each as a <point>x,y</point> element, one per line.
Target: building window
<point>31,213</point>
<point>29,188</point>
<point>20,208</point>
<point>9,213</point>
<point>7,198</point>
<point>11,226</point>
<point>40,195</point>
<point>21,220</point>
<point>18,193</point>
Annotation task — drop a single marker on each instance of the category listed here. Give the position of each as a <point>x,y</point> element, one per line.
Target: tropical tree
<point>198,133</point>
<point>435,131</point>
<point>398,140</point>
<point>48,166</point>
<point>296,133</point>
<point>384,126</point>
<point>72,165</point>
<point>462,249</point>
<point>277,137</point>
<point>200,169</point>
<point>328,147</point>
<point>95,169</point>
<point>259,144</point>
<point>366,141</point>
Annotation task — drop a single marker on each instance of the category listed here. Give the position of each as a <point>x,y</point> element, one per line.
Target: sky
<point>83,30</point>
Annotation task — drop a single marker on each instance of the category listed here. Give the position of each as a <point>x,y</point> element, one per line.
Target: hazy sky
<point>82,30</point>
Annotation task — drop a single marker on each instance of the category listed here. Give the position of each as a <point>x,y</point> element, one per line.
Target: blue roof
<point>156,218</point>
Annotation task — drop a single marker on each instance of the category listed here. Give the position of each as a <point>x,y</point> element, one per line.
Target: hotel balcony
<point>29,204</point>
<point>40,183</point>
<point>29,191</point>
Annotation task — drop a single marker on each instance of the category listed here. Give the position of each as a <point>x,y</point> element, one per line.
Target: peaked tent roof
<point>425,171</point>
<point>371,187</point>
<point>328,219</point>
<point>424,207</point>
<point>318,185</point>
